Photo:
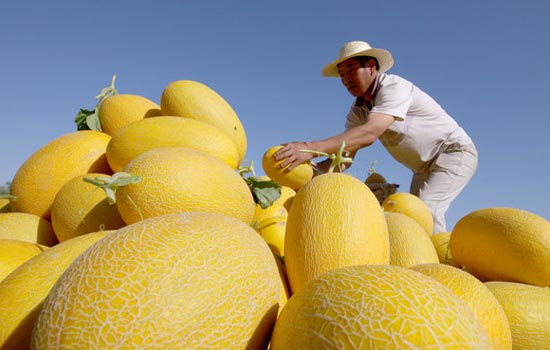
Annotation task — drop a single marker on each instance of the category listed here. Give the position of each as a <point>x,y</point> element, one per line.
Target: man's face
<point>355,78</point>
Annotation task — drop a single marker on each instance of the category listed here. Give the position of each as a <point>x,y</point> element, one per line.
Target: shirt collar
<point>361,101</point>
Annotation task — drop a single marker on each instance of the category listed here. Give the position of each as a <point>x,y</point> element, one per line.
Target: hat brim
<point>384,58</point>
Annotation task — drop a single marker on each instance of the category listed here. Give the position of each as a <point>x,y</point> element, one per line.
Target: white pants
<point>444,179</point>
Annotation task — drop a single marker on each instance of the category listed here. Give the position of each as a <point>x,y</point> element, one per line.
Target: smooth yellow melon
<point>27,227</point>
<point>192,99</point>
<point>478,297</point>
<point>273,231</point>
<point>180,179</point>
<point>503,244</point>
<point>178,281</point>
<point>287,194</point>
<point>334,221</point>
<point>117,111</point>
<point>80,207</point>
<point>40,177</point>
<point>24,290</point>
<point>275,209</point>
<point>284,288</point>
<point>5,205</point>
<point>14,252</point>
<point>412,206</point>
<point>166,131</point>
<point>376,307</point>
<point>409,244</point>
<point>441,245</point>
<point>295,178</point>
<point>528,311</point>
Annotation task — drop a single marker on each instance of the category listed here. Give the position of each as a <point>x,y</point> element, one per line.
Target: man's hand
<point>292,154</point>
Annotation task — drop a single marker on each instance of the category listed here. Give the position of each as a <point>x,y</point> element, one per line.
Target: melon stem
<point>110,184</point>
<point>107,91</point>
<point>8,196</point>
<point>247,169</point>
<point>341,156</point>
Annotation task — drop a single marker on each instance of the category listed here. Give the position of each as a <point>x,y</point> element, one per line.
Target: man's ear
<point>372,63</point>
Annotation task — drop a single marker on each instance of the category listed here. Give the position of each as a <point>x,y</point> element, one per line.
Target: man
<point>414,128</point>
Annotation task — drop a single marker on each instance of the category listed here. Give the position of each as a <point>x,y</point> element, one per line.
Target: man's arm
<point>355,138</point>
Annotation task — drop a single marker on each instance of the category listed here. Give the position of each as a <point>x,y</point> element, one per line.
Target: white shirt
<point>421,130</point>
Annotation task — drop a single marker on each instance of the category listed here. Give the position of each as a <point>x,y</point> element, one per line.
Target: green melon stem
<point>111,184</point>
<point>264,192</point>
<point>247,169</point>
<point>8,196</point>
<point>107,91</point>
<point>87,119</point>
<point>341,156</point>
<point>372,170</point>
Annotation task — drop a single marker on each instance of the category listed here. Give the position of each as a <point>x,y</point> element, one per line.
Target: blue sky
<point>485,62</point>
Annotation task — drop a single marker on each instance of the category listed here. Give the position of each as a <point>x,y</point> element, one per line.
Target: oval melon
<point>503,244</point>
<point>273,231</point>
<point>412,206</point>
<point>80,207</point>
<point>117,111</point>
<point>166,131</point>
<point>528,311</point>
<point>409,244</point>
<point>40,177</point>
<point>27,227</point>
<point>441,245</point>
<point>14,252</point>
<point>178,281</point>
<point>478,297</point>
<point>376,307</point>
<point>261,214</point>
<point>5,205</point>
<point>192,99</point>
<point>24,290</point>
<point>295,178</point>
<point>181,179</point>
<point>334,221</point>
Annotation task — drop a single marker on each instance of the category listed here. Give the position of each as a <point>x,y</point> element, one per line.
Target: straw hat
<point>359,48</point>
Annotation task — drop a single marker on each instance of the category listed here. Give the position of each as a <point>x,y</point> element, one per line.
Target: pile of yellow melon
<point>145,235</point>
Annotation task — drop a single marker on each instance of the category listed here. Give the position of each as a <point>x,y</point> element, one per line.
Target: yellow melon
<point>287,196</point>
<point>295,178</point>
<point>503,244</point>
<point>80,207</point>
<point>180,179</point>
<point>14,252</point>
<point>409,244</point>
<point>441,245</point>
<point>275,209</point>
<point>412,206</point>
<point>187,280</point>
<point>165,131</point>
<point>284,288</point>
<point>192,99</point>
<point>117,111</point>
<point>273,231</point>
<point>40,177</point>
<point>5,205</point>
<point>24,290</point>
<point>27,227</point>
<point>376,307</point>
<point>528,311</point>
<point>334,221</point>
<point>478,297</point>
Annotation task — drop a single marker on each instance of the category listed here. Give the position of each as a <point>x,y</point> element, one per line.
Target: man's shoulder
<point>393,79</point>
<point>393,86</point>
